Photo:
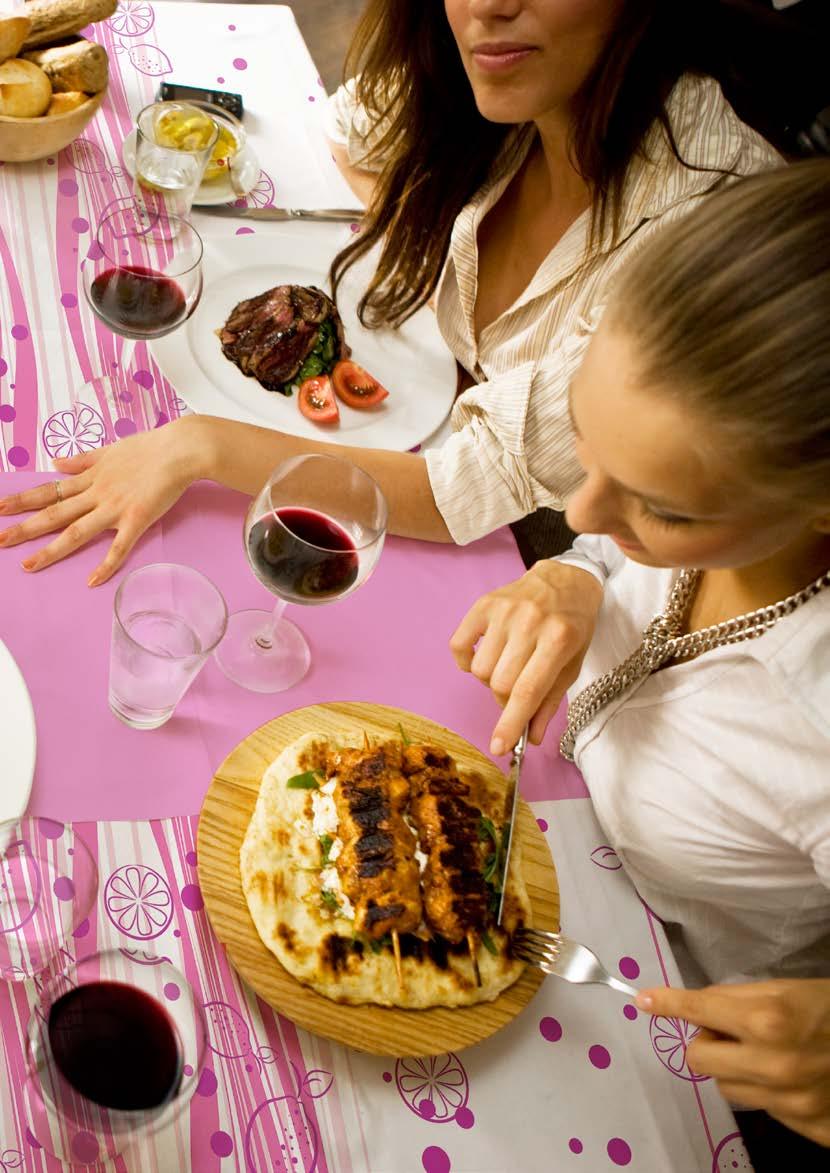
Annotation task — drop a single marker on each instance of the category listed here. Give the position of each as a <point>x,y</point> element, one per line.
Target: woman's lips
<point>498,57</point>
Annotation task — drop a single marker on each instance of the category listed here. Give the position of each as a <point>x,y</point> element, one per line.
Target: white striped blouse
<point>511,449</point>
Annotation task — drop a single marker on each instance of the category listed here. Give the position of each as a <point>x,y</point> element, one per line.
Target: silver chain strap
<point>662,641</point>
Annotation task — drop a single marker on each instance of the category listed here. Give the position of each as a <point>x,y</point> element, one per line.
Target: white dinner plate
<point>413,362</point>
<point>17,738</point>
<point>218,191</point>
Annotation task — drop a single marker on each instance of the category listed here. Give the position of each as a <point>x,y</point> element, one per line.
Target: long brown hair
<point>438,149</point>
<point>728,311</point>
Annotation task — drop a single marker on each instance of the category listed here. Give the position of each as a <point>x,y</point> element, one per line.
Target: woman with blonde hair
<point>702,416</point>
<point>521,149</point>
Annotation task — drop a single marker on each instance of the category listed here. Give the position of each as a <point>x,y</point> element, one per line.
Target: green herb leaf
<point>488,943</point>
<point>404,738</point>
<point>329,900</point>
<point>375,946</point>
<point>306,781</point>
<point>326,842</point>
<point>487,829</point>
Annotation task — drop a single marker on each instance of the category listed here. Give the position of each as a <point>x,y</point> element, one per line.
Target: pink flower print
<point>68,433</point>
<point>138,902</point>
<point>435,1088</point>
<point>150,60</point>
<point>131,19</point>
<point>261,194</point>
<point>11,1159</point>
<point>670,1037</point>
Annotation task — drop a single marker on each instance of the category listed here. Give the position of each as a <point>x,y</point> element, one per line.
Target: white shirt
<point>512,449</point>
<point>711,779</point>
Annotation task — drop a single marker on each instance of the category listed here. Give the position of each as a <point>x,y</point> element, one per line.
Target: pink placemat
<point>387,643</point>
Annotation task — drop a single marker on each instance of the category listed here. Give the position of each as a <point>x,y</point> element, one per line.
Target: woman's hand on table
<point>527,641</point>
<point>766,1043</point>
<point>124,487</point>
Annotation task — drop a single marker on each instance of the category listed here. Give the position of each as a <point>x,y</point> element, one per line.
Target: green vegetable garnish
<point>488,943</point>
<point>329,900</point>
<point>306,781</point>
<point>326,842</point>
<point>320,360</point>
<point>404,738</point>
<point>486,827</point>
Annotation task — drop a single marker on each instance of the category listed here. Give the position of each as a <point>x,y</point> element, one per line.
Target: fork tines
<point>535,946</point>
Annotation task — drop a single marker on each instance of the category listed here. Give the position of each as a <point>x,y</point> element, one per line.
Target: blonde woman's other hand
<point>766,1043</point>
<point>124,487</point>
<point>526,641</point>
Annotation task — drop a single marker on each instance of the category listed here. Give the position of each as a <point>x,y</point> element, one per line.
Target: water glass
<point>116,1048</point>
<point>48,884</point>
<point>174,143</point>
<point>167,620</point>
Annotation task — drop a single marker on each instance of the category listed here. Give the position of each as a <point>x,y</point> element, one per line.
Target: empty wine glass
<point>48,884</point>
<point>143,274</point>
<point>313,534</point>
<point>115,1049</point>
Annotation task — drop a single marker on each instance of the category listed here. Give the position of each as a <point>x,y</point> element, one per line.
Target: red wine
<point>304,555</point>
<point>116,1045</point>
<point>138,300</point>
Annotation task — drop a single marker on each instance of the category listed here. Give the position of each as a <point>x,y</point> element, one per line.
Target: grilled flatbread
<point>303,916</point>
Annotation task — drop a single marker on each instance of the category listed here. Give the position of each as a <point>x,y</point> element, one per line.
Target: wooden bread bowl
<point>25,139</point>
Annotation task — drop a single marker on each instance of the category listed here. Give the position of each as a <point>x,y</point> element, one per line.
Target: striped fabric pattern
<point>511,450</point>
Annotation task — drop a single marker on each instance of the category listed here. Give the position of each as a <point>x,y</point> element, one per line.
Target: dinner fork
<point>553,953</point>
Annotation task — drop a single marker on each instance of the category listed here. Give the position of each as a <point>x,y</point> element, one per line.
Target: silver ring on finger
<point>58,490</point>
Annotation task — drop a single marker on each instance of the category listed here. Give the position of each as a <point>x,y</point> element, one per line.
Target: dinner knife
<point>515,773</point>
<point>342,214</point>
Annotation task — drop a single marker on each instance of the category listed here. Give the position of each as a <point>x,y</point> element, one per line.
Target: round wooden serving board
<point>380,1030</point>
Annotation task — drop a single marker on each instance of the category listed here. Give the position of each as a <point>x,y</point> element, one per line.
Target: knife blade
<point>515,773</point>
<point>330,214</point>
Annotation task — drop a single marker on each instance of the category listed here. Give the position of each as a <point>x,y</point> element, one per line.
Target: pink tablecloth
<point>387,643</point>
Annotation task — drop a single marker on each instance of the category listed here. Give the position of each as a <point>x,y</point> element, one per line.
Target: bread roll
<point>25,91</point>
<point>13,32</point>
<point>74,65</point>
<point>63,103</point>
<point>54,19</point>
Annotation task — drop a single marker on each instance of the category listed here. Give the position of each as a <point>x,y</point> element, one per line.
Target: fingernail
<point>28,563</point>
<point>93,579</point>
<point>497,746</point>
<point>644,1001</point>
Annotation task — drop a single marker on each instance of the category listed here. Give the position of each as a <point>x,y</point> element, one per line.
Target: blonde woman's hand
<point>527,641</point>
<point>766,1043</point>
<point>124,487</point>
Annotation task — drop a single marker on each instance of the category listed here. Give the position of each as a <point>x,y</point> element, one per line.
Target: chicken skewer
<point>377,865</point>
<point>456,900</point>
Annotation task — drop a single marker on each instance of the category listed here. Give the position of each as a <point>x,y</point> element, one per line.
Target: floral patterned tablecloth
<point>580,1081</point>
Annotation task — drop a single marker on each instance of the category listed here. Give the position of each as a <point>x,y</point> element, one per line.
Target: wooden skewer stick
<point>472,945</point>
<point>396,949</point>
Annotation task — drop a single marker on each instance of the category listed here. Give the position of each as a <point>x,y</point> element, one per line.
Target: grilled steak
<point>284,335</point>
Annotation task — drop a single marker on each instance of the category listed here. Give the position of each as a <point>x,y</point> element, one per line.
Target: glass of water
<point>174,143</point>
<point>167,620</point>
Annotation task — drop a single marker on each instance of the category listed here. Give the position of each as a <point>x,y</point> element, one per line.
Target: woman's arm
<point>129,485</point>
<point>361,181</point>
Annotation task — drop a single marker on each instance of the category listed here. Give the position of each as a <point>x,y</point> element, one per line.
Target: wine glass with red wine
<point>115,1047</point>
<point>143,275</point>
<point>313,535</point>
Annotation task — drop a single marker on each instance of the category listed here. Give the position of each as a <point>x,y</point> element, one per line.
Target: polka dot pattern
<point>551,1029</point>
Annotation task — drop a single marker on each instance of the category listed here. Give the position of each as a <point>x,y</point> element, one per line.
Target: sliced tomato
<point>355,386</point>
<point>316,400</point>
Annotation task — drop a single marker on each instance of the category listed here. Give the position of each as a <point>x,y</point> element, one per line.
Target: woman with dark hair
<point>525,148</point>
<point>702,415</point>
